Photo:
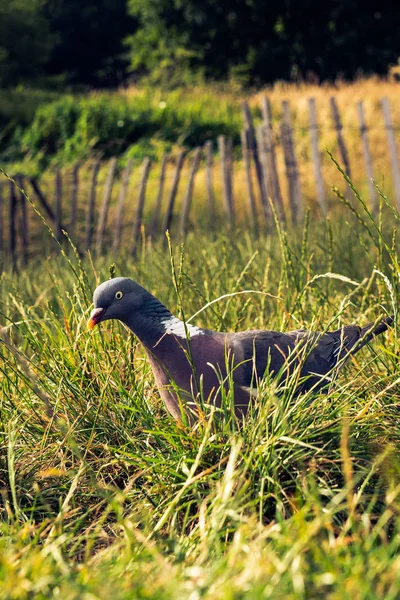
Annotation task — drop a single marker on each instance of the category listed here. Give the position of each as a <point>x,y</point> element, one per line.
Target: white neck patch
<point>176,327</point>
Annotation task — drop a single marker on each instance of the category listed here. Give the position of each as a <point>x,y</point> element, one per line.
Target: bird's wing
<point>258,351</point>
<point>317,352</point>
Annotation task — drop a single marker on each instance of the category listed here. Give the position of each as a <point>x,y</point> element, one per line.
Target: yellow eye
<point>118,295</point>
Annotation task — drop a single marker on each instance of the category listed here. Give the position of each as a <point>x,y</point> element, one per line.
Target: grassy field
<point>103,495</point>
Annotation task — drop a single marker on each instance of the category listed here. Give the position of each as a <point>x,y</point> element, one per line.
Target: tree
<point>264,39</point>
<point>89,47</point>
<point>25,41</point>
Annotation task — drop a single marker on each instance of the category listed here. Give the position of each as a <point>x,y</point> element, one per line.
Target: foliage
<point>89,44</point>
<point>25,41</point>
<point>106,496</point>
<point>73,127</point>
<point>264,41</point>
<point>103,43</point>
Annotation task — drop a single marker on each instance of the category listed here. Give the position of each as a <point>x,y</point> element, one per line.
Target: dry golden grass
<point>347,95</point>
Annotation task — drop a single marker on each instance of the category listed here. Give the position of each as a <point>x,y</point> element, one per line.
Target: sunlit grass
<point>104,495</point>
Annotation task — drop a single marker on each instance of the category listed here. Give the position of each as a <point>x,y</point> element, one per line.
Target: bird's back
<point>273,351</point>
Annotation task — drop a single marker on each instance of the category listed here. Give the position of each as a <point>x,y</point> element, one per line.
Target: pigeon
<point>193,365</point>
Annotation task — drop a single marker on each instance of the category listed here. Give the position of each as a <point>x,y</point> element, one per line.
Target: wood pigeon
<point>190,362</point>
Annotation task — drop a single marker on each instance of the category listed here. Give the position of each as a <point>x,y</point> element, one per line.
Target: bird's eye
<point>118,295</point>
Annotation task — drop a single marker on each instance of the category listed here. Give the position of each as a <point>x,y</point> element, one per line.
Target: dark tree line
<point>104,42</point>
<point>65,41</point>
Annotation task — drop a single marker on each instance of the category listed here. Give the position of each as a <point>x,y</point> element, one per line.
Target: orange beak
<point>95,317</point>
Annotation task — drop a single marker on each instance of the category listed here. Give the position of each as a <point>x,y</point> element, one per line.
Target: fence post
<point>12,224</point>
<point>229,171</point>
<point>367,157</point>
<point>262,155</point>
<point>91,205</point>
<point>249,181</point>
<point>271,155</point>
<point>316,158</point>
<point>392,148</point>
<point>105,206</point>
<point>43,201</point>
<point>58,206</point>
<point>41,198</point>
<point>120,207</point>
<point>140,205</point>
<point>23,221</point>
<point>173,192</point>
<point>292,169</point>
<point>253,149</point>
<point>189,192</point>
<point>1,216</point>
<point>225,178</point>
<point>74,200</point>
<point>208,147</point>
<point>157,209</point>
<point>339,132</point>
<point>341,143</point>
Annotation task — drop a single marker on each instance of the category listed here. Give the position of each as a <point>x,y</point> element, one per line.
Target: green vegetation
<point>68,42</point>
<point>103,495</point>
<point>25,41</point>
<point>142,123</point>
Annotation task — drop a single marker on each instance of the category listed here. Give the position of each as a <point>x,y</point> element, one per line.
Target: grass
<point>104,495</point>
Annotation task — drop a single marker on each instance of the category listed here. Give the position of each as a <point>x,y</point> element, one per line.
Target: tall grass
<point>104,495</point>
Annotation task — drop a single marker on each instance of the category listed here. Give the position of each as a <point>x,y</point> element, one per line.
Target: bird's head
<point>116,299</point>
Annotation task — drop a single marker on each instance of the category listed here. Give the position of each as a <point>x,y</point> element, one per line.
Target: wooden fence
<point>266,189</point>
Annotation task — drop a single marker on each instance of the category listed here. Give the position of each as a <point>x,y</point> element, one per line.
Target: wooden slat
<point>344,155</point>
<point>40,196</point>
<point>141,200</point>
<point>58,206</point>
<point>316,158</point>
<point>208,147</point>
<point>337,122</point>
<point>91,205</point>
<point>121,203</point>
<point>249,181</point>
<point>225,178</point>
<point>23,220</point>
<point>292,169</point>
<point>189,192</point>
<point>270,148</point>
<point>174,190</point>
<point>12,215</point>
<point>1,216</point>
<point>74,200</point>
<point>158,206</point>
<point>262,155</point>
<point>229,173</point>
<point>253,148</point>
<point>373,196</point>
<point>392,149</point>
<point>101,228</point>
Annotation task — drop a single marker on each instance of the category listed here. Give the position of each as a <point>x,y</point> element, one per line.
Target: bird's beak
<point>95,317</point>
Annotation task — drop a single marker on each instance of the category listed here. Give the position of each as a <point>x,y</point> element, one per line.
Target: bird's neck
<point>148,322</point>
<point>153,322</point>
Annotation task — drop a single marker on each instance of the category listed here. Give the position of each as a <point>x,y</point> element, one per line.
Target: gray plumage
<point>200,361</point>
